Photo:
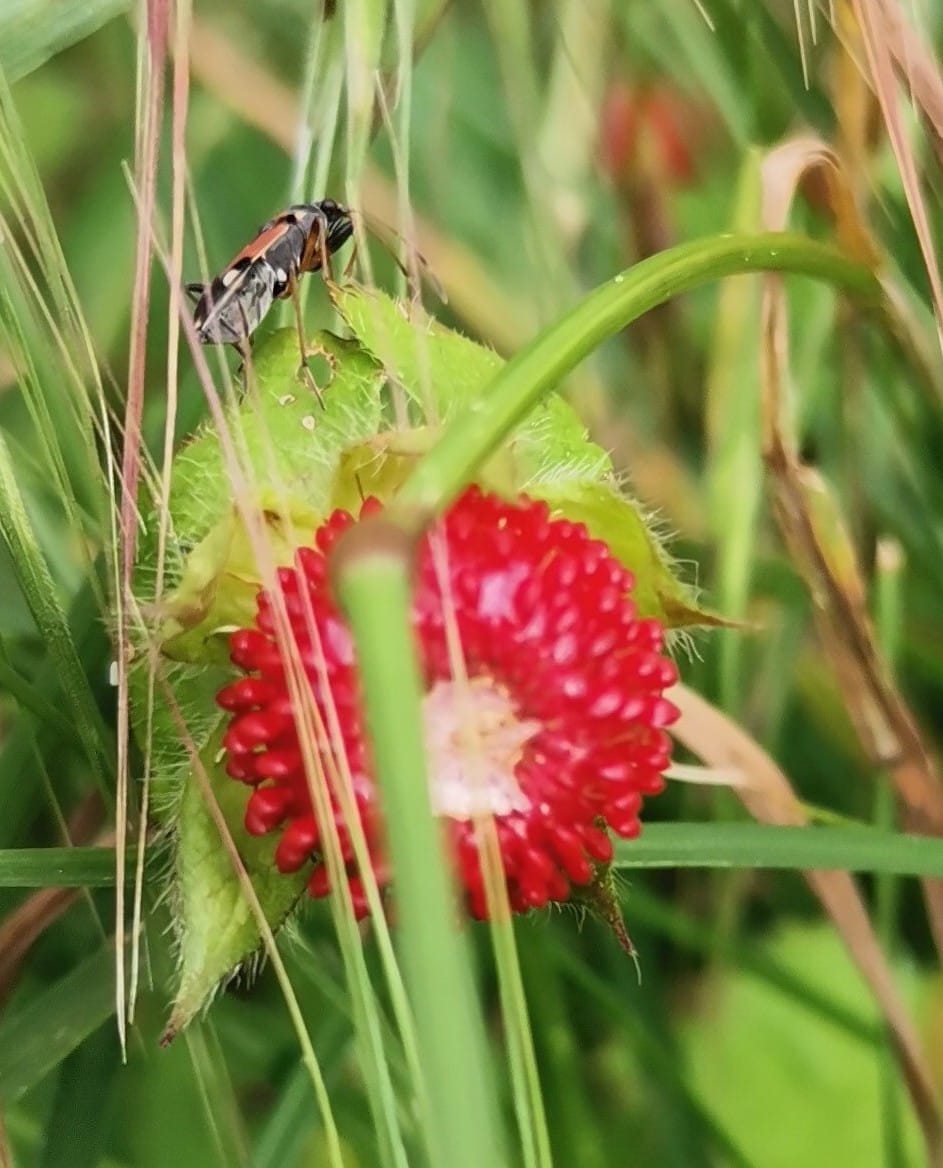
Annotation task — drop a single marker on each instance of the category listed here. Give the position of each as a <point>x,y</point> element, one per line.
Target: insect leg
<point>353,259</point>
<point>386,235</point>
<point>244,346</point>
<point>303,369</point>
<point>324,252</point>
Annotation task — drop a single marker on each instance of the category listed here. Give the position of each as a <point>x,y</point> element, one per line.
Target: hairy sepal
<point>289,449</point>
<point>549,456</point>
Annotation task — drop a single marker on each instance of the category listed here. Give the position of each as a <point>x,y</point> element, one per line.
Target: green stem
<point>59,867</point>
<point>373,583</point>
<point>662,845</point>
<point>539,367</point>
<point>372,577</point>
<point>758,845</point>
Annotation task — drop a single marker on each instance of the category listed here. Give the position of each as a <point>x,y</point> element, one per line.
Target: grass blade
<point>37,1038</point>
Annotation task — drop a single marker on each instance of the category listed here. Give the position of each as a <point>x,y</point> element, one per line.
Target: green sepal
<point>288,447</point>
<point>619,523</point>
<point>440,370</point>
<point>285,440</point>
<point>549,456</point>
<point>221,930</point>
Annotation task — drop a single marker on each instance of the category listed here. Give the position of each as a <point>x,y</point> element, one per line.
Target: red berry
<point>557,729</point>
<point>651,131</point>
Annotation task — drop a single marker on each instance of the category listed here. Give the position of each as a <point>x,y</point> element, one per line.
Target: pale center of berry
<point>474,740</point>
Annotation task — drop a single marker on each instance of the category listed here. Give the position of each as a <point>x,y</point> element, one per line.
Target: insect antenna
<point>388,237</point>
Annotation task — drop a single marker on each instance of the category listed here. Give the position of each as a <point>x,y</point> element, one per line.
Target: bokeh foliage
<point>549,146</point>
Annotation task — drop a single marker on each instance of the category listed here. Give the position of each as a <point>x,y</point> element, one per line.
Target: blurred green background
<point>549,145</point>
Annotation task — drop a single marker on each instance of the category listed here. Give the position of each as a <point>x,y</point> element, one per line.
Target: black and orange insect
<point>301,239</point>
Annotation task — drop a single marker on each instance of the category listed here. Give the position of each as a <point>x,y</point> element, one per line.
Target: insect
<point>301,239</point>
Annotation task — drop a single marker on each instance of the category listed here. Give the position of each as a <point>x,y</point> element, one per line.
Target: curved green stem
<point>372,579</point>
<point>539,367</point>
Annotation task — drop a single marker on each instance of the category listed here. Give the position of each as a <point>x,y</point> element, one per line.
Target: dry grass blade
<point>768,796</point>
<point>154,59</point>
<point>23,928</point>
<point>874,31</point>
<point>806,157</point>
<point>180,98</point>
<point>6,1155</point>
<point>815,533</point>
<point>915,62</point>
<point>567,138</point>
<point>857,113</point>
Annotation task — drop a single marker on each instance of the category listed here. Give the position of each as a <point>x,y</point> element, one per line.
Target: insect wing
<point>235,304</point>
<point>284,255</point>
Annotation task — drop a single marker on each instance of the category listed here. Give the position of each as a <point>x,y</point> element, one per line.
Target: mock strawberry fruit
<point>543,703</point>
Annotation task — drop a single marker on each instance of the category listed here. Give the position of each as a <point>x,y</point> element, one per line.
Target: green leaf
<point>761,845</point>
<point>216,928</point>
<point>78,1125</point>
<point>184,1106</point>
<point>32,31</point>
<point>19,800</point>
<point>288,446</point>
<point>174,729</point>
<point>41,595</point>
<point>288,440</point>
<point>221,579</point>
<point>553,445</point>
<point>31,698</point>
<point>57,867</point>
<point>663,845</point>
<point>379,466</point>
<point>36,1038</point>
<point>719,1046</point>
